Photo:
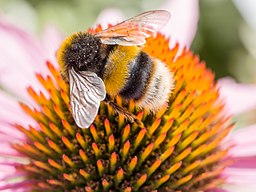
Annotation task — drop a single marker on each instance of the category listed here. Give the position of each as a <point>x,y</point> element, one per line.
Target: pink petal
<point>240,176</point>
<point>22,55</point>
<point>11,112</point>
<point>245,162</point>
<point>109,16</point>
<point>240,187</point>
<point>238,97</point>
<point>245,141</point>
<point>51,40</point>
<point>184,19</point>
<point>181,28</point>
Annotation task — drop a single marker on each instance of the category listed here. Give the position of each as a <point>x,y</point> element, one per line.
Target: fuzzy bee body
<point>120,67</point>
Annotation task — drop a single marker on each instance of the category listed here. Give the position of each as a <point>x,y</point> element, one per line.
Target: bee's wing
<point>87,90</point>
<point>135,30</point>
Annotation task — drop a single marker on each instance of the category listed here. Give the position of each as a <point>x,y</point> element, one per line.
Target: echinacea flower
<point>179,149</point>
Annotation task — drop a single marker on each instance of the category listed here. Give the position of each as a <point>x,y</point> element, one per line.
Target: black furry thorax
<point>84,53</point>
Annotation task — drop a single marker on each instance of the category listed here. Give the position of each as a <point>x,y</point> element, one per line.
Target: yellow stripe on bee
<point>117,69</point>
<point>61,52</point>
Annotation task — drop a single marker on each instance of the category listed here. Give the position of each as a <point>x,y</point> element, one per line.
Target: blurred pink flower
<point>181,28</point>
<point>238,97</point>
<point>22,55</point>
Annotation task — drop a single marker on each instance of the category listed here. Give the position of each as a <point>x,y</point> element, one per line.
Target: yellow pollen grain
<point>65,97</point>
<point>55,130</point>
<point>28,148</point>
<point>55,182</point>
<point>153,167</point>
<point>161,181</point>
<point>111,143</point>
<point>208,175</point>
<point>214,157</point>
<point>183,126</point>
<point>36,134</point>
<point>88,189</point>
<point>182,155</point>
<point>183,180</point>
<point>190,167</point>
<point>196,152</point>
<point>96,150</point>
<point>205,136</point>
<point>49,114</point>
<point>131,106</point>
<point>190,97</point>
<point>81,140</point>
<point>59,112</point>
<point>166,126</point>
<point>84,174</point>
<point>55,96</point>
<point>180,97</point>
<point>68,144</point>
<point>140,115</point>
<point>173,141</point>
<point>140,182</point>
<point>159,140</point>
<point>186,114</point>
<point>105,184</point>
<point>34,95</point>
<point>54,146</point>
<point>128,189</point>
<point>69,177</point>
<point>107,127</point>
<point>113,161</point>
<point>100,167</point>
<point>153,127</point>
<point>68,161</point>
<point>125,149</point>
<point>139,138</point>
<point>43,166</point>
<point>68,127</point>
<point>121,121</point>
<point>188,140</point>
<point>146,153</point>
<point>132,164</point>
<point>94,133</point>
<point>193,127</point>
<point>61,83</point>
<point>25,131</point>
<point>126,133</point>
<point>83,156</point>
<point>33,169</point>
<point>119,175</point>
<point>55,164</point>
<point>46,131</point>
<point>167,153</point>
<point>43,148</point>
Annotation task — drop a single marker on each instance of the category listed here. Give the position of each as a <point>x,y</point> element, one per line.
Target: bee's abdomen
<point>159,87</point>
<point>139,74</point>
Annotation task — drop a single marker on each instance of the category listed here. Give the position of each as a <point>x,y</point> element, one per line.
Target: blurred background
<point>225,38</point>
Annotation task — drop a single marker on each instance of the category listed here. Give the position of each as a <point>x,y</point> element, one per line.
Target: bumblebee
<point>110,63</point>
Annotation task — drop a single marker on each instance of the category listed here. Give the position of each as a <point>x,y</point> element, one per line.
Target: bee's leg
<point>131,117</point>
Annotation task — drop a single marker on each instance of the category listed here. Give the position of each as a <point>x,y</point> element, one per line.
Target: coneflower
<point>178,149</point>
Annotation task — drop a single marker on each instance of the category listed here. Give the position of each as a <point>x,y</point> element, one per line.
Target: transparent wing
<point>135,30</point>
<point>87,90</point>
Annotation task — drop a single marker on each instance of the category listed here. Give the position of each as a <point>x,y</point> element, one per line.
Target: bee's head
<point>81,51</point>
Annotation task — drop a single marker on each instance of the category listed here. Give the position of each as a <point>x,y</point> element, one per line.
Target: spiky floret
<point>177,150</point>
